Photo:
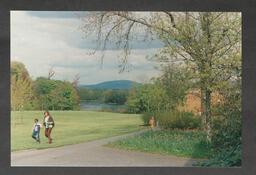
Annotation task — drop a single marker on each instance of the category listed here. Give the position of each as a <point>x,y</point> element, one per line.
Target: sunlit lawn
<point>71,127</point>
<point>173,142</point>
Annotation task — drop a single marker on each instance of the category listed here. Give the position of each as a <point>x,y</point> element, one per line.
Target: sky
<point>52,39</point>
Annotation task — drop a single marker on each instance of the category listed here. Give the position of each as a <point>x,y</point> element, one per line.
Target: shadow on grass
<point>202,146</point>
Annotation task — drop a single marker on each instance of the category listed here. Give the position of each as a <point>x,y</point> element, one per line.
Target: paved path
<point>93,154</point>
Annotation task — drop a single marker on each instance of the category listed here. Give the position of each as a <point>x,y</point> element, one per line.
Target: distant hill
<point>118,84</point>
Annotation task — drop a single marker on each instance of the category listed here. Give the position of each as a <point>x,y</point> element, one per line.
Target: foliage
<point>216,123</point>
<point>43,93</point>
<point>179,120</point>
<point>83,126</point>
<point>42,88</point>
<point>22,95</point>
<point>91,95</point>
<point>115,96</point>
<point>147,98</point>
<point>176,82</point>
<point>207,47</point>
<point>108,96</point>
<point>226,139</point>
<point>172,142</point>
<point>63,97</point>
<point>146,116</point>
<point>19,69</point>
<point>230,132</point>
<point>207,43</point>
<point>224,158</point>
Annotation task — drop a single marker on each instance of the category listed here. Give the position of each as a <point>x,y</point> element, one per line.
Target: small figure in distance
<point>152,123</point>
<point>36,131</point>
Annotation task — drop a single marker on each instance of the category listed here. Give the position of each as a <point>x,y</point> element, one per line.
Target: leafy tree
<point>84,94</point>
<point>19,69</point>
<point>115,96</point>
<point>209,43</point>
<point>43,87</point>
<point>147,98</point>
<point>176,82</point>
<point>97,94</point>
<point>107,94</point>
<point>43,93</point>
<point>94,94</point>
<point>63,97</point>
<point>22,95</point>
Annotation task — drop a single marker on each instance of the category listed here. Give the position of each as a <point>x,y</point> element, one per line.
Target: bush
<point>224,158</point>
<point>229,133</point>
<point>146,116</point>
<point>216,123</point>
<point>226,134</point>
<point>179,120</point>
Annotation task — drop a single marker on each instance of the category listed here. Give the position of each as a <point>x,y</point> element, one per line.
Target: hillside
<point>118,84</point>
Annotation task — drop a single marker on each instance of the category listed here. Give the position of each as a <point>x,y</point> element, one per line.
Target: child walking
<point>36,131</point>
<point>152,123</point>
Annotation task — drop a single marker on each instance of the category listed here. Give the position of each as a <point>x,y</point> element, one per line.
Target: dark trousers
<point>36,136</point>
<point>48,134</point>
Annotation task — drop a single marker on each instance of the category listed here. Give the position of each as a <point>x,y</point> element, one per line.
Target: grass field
<point>71,127</point>
<point>173,142</point>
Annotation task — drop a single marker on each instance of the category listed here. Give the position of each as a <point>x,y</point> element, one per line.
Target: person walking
<point>49,124</point>
<point>36,131</point>
<point>152,123</point>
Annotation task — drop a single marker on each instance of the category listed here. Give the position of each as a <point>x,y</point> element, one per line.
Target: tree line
<point>42,93</point>
<point>107,96</point>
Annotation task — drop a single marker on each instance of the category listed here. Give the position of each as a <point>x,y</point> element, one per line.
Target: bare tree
<point>51,73</point>
<point>76,80</point>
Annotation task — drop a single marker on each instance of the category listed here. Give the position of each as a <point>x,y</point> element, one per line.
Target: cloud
<point>53,14</point>
<point>42,42</point>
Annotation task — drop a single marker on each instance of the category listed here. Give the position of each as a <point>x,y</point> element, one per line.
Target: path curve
<point>93,154</point>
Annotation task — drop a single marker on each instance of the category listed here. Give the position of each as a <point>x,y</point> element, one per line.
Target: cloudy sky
<point>44,40</point>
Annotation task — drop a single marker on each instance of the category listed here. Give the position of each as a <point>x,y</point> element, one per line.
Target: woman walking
<point>49,124</point>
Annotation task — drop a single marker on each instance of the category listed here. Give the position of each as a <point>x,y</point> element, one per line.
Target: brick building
<point>193,101</point>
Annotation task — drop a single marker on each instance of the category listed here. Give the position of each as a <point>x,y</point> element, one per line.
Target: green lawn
<point>173,142</point>
<point>71,127</point>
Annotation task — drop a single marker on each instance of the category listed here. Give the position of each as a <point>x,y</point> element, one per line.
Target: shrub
<point>229,133</point>
<point>224,158</point>
<point>216,123</point>
<point>178,119</point>
<point>226,134</point>
<point>146,116</point>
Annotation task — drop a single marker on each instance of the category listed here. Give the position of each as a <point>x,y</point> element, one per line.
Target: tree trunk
<point>203,110</point>
<point>208,114</point>
<point>206,111</point>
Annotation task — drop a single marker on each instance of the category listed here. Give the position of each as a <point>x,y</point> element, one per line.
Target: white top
<point>46,119</point>
<point>36,125</point>
<point>47,125</point>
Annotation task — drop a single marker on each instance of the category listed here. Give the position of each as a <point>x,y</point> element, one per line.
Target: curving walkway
<point>93,154</point>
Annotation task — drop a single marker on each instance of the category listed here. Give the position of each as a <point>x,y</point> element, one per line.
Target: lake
<point>97,106</point>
